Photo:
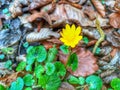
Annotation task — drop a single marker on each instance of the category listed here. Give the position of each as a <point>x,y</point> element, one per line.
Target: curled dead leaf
<point>100,8</point>
<point>44,33</point>
<point>115,19</point>
<point>87,62</point>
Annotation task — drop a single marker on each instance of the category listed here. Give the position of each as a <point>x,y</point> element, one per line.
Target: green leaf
<point>39,70</point>
<point>43,79</point>
<point>5,10</point>
<point>52,54</point>
<point>73,80</point>
<point>17,85</point>
<point>115,84</point>
<point>26,44</point>
<point>2,87</point>
<point>51,82</point>
<point>50,68</point>
<point>28,80</point>
<point>81,80</point>
<point>86,40</point>
<point>95,82</point>
<point>21,66</point>
<point>60,69</point>
<point>29,68</point>
<point>38,53</point>
<point>97,51</point>
<point>64,49</point>
<point>73,61</point>
<point>28,88</point>
<point>2,56</point>
<point>8,64</point>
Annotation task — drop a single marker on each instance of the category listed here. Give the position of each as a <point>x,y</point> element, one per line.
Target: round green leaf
<point>81,80</point>
<point>60,69</point>
<point>17,85</point>
<point>39,70</point>
<point>28,80</point>
<point>26,44</point>
<point>50,68</point>
<point>73,80</point>
<point>95,82</point>
<point>21,66</point>
<point>41,53</point>
<point>86,40</point>
<point>115,84</point>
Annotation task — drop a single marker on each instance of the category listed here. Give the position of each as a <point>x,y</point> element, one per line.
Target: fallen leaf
<point>66,86</point>
<point>115,19</point>
<point>87,62</point>
<point>44,33</point>
<point>100,8</point>
<point>113,39</point>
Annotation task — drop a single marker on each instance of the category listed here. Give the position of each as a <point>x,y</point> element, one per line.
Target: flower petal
<point>78,31</point>
<point>67,27</point>
<point>73,28</point>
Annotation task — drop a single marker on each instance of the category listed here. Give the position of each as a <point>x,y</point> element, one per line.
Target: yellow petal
<point>73,28</point>
<point>67,27</point>
<point>78,31</point>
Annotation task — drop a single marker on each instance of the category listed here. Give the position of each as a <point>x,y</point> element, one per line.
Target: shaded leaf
<point>73,62</point>
<point>60,69</point>
<point>2,87</point>
<point>8,65</point>
<point>28,80</point>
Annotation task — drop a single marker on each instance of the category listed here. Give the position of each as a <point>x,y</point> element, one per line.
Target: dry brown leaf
<point>100,8</point>
<point>87,62</point>
<point>36,15</point>
<point>117,5</point>
<point>44,33</point>
<point>115,19</point>
<point>9,78</point>
<point>38,3</point>
<point>66,86</point>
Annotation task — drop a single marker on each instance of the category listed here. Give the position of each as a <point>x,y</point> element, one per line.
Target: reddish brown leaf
<point>115,19</point>
<point>100,8</point>
<point>87,62</point>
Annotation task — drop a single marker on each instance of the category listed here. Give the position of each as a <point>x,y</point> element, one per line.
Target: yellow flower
<point>71,35</point>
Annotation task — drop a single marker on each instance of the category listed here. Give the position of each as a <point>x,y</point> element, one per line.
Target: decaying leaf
<point>9,37</point>
<point>100,8</point>
<point>44,33</point>
<point>115,19</point>
<point>112,38</point>
<point>66,86</point>
<point>87,62</point>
